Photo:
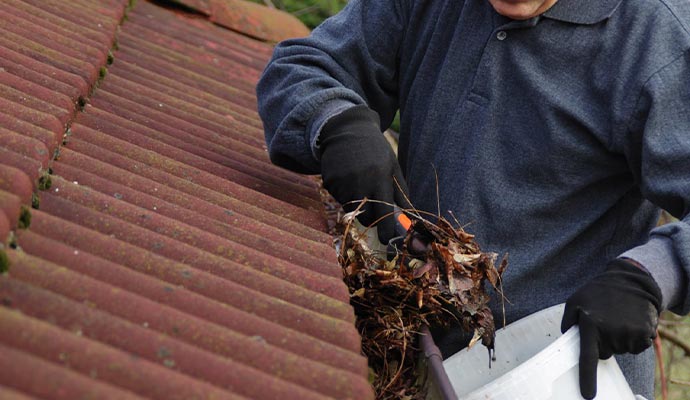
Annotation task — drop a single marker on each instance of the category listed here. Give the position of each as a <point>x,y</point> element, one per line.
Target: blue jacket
<point>555,139</point>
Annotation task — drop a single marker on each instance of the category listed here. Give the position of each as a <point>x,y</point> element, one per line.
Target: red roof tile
<point>169,258</point>
<point>20,66</point>
<point>30,167</point>
<point>15,181</point>
<point>28,373</point>
<point>61,105</point>
<point>11,394</point>
<point>10,205</point>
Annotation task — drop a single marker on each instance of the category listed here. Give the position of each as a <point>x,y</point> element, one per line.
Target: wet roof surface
<point>167,257</point>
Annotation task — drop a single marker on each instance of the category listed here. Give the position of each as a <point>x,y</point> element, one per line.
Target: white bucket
<point>534,361</point>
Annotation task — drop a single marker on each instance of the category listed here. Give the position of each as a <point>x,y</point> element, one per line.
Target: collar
<point>584,12</point>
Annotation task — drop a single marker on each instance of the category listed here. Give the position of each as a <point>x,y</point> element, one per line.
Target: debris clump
<point>436,277</point>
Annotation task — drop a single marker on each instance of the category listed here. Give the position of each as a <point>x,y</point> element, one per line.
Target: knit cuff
<point>658,258</point>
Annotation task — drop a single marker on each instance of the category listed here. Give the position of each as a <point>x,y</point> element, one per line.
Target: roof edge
<point>252,19</point>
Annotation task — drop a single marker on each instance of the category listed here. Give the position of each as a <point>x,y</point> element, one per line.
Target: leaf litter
<point>438,276</point>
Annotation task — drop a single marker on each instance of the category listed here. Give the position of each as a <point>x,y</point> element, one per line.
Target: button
<point>501,35</point>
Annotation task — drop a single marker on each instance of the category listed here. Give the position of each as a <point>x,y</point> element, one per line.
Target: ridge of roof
<point>252,19</point>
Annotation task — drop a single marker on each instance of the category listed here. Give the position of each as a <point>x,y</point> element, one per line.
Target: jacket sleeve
<point>350,59</point>
<point>659,153</point>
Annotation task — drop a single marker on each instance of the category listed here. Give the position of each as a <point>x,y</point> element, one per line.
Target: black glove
<point>617,312</point>
<point>358,162</point>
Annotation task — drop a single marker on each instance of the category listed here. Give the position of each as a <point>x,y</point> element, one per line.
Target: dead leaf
<point>465,258</point>
<point>475,338</point>
<point>418,272</point>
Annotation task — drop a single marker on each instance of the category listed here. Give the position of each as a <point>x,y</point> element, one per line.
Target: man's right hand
<point>358,162</point>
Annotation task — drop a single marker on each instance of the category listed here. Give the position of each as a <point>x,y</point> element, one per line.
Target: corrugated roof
<point>167,257</point>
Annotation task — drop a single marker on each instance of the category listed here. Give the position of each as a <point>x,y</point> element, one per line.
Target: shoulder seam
<point>629,120</point>
<point>680,21</point>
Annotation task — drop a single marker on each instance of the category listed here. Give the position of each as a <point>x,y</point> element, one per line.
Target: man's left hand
<point>617,312</point>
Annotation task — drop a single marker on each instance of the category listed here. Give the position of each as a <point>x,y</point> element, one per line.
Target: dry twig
<point>662,372</point>
<point>675,339</point>
<point>680,382</point>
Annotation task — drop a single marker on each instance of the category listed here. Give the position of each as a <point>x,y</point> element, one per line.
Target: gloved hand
<point>617,312</point>
<point>358,162</point>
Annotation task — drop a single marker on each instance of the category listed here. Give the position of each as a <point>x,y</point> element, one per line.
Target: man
<point>556,128</point>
